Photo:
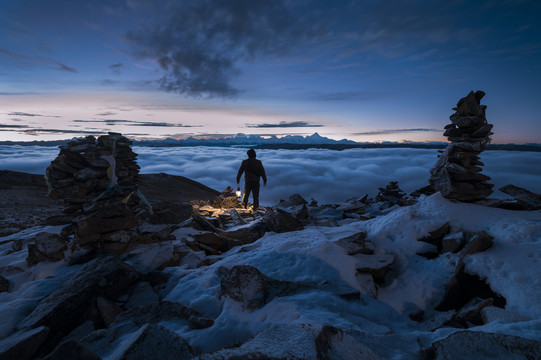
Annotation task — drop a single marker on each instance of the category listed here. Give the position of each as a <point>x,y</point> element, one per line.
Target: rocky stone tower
<point>97,179</point>
<point>457,173</point>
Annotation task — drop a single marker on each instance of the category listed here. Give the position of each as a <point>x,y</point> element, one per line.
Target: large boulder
<point>247,285</point>
<point>475,345</point>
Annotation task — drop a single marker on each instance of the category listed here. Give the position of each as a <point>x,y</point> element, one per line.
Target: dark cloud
<point>57,131</point>
<point>14,126</point>
<point>396,131</point>
<point>116,68</point>
<point>201,42</point>
<point>18,113</point>
<point>285,124</point>
<point>107,113</point>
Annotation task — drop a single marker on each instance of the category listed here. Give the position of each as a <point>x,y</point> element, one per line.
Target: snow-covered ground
<point>329,176</point>
<point>512,268</point>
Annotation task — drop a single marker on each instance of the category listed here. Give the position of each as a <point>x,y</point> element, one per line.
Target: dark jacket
<point>253,169</point>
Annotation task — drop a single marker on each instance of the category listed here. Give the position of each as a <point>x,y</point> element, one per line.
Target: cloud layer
<point>326,175</point>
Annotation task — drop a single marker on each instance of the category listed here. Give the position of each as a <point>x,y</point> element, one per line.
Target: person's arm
<point>263,175</point>
<point>239,173</point>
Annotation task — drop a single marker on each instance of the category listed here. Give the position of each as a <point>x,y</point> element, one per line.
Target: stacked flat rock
<point>391,193</point>
<point>97,179</point>
<point>457,173</point>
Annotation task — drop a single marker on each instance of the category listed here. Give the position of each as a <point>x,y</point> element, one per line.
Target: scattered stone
<point>452,242</point>
<point>237,219</point>
<point>294,200</point>
<point>457,173</point>
<point>108,310</point>
<point>492,313</point>
<point>22,345</point>
<point>470,314</point>
<point>376,265</point>
<point>149,342</point>
<point>72,349</point>
<point>4,284</point>
<point>170,212</point>
<point>482,345</point>
<point>356,244</point>
<point>333,343</point>
<point>478,242</point>
<point>464,287</point>
<point>142,294</point>
<point>299,342</point>
<point>227,199</point>
<point>528,199</point>
<point>47,247</point>
<point>278,220</point>
<point>247,285</point>
<point>436,236</point>
<point>155,313</point>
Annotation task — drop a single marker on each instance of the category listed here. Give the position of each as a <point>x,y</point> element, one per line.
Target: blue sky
<point>362,70</point>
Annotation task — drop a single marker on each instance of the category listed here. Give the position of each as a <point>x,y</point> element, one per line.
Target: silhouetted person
<point>253,170</point>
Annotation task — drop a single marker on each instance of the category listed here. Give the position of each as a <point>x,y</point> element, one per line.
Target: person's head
<point>251,153</point>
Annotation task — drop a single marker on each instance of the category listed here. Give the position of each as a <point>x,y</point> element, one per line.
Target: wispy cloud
<point>112,122</point>
<point>17,93</point>
<point>284,124</point>
<point>53,64</point>
<point>397,131</point>
<point>18,113</point>
<point>14,126</point>
<point>116,68</point>
<point>344,96</point>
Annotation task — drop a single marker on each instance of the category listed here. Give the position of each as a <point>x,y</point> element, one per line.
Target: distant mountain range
<point>286,142</point>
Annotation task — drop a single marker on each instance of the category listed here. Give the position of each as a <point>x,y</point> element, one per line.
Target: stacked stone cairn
<point>97,179</point>
<point>457,173</point>
<point>393,194</point>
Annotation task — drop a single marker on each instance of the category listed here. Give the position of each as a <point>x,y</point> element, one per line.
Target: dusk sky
<point>362,70</point>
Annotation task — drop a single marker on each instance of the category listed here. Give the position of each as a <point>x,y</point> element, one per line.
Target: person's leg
<point>247,190</point>
<point>255,190</point>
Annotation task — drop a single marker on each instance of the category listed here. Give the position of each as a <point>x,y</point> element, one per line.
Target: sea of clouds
<point>328,176</point>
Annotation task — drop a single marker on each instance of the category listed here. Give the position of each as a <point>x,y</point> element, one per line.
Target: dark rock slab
<point>247,285</point>
<point>280,221</point>
<point>22,345</point>
<point>474,345</point>
<point>298,342</point>
<point>530,200</point>
<point>4,284</point>
<point>149,342</point>
<point>163,311</point>
<point>72,349</point>
<point>63,310</point>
